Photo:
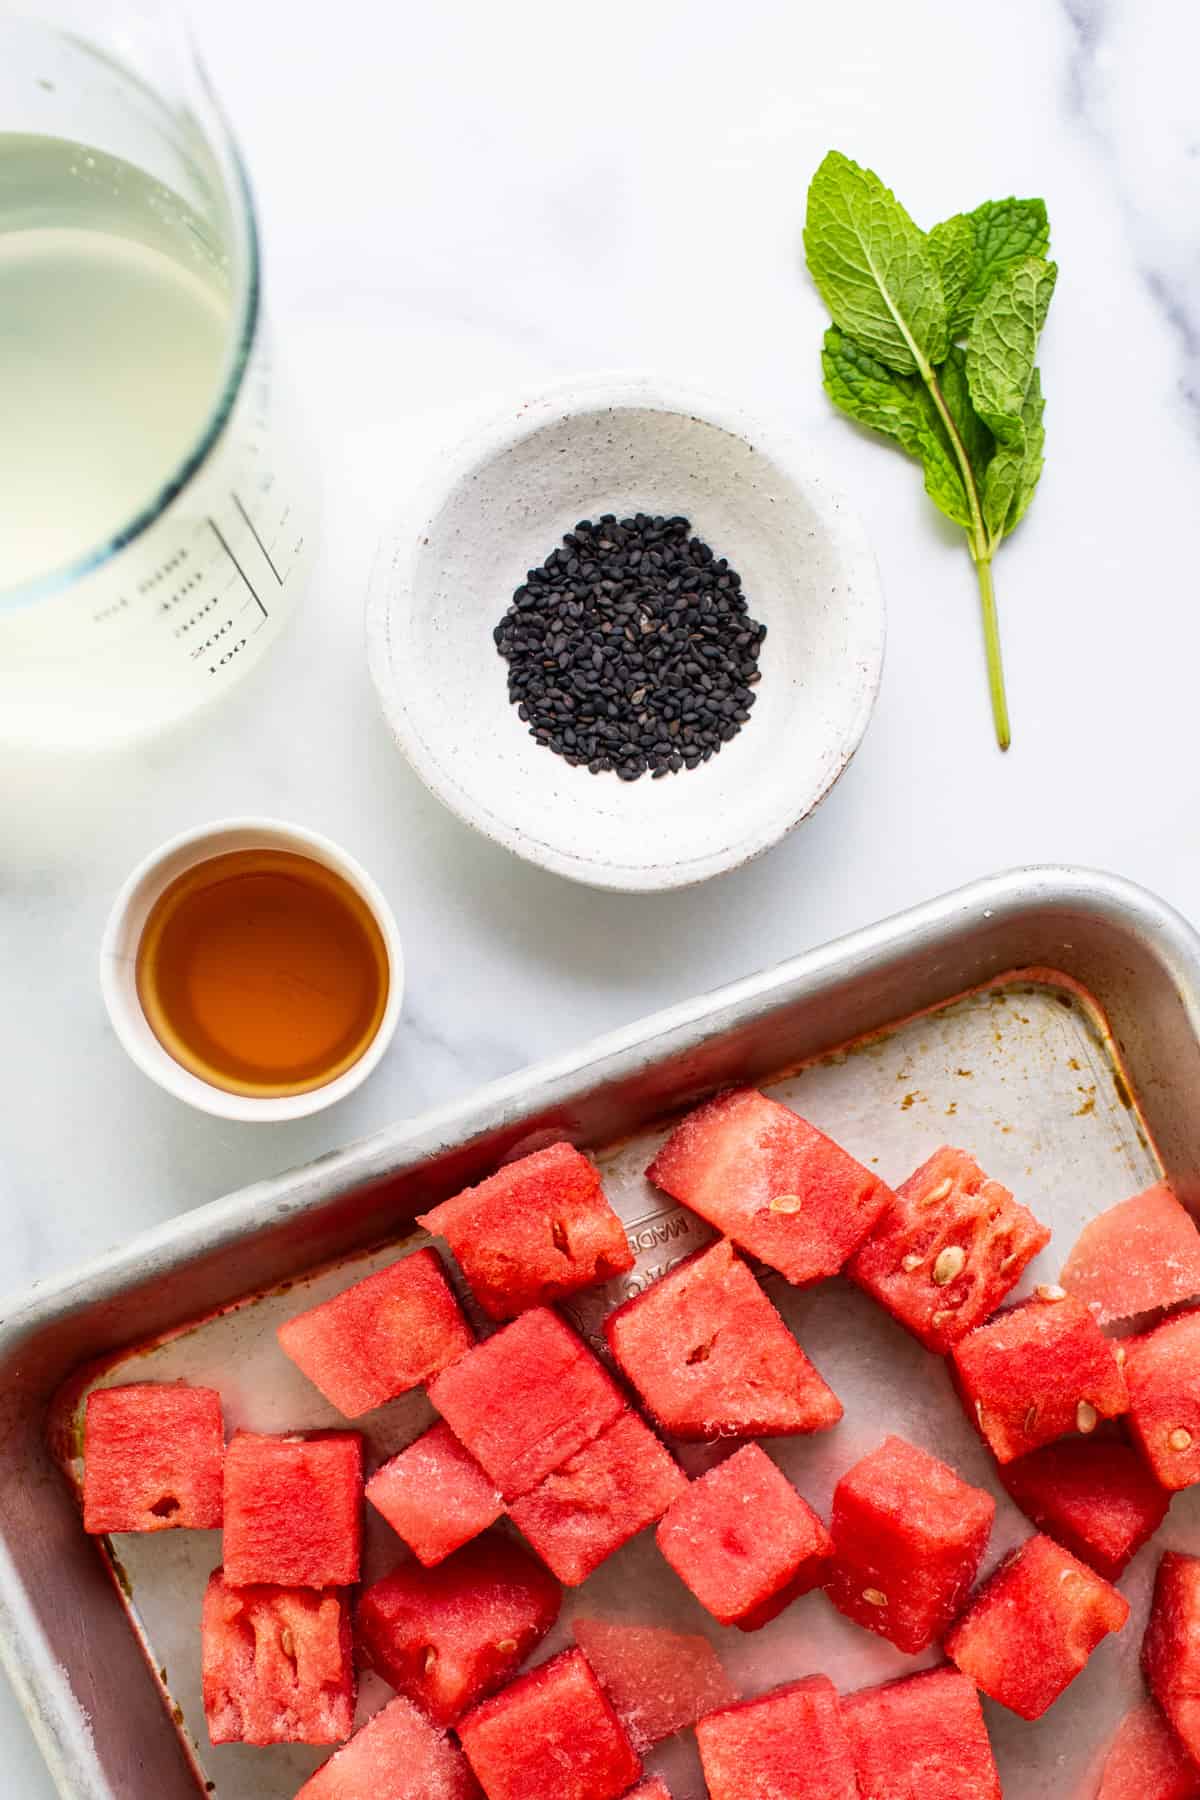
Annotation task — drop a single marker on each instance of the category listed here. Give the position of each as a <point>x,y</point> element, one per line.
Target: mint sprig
<point>933,344</point>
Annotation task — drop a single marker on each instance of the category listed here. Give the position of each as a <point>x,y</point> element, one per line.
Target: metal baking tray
<point>1048,1020</point>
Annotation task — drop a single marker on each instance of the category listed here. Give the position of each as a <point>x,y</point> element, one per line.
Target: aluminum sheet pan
<point>1068,1075</point>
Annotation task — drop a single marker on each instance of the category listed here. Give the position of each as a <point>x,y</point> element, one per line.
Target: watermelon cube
<point>552,1733</point>
<point>772,1182</point>
<point>659,1681</point>
<point>605,1494</point>
<point>381,1337</point>
<point>398,1755</point>
<point>152,1458</point>
<point>789,1745</point>
<point>533,1233</point>
<point>1162,1372</point>
<point>277,1665</point>
<point>1146,1761</point>
<point>526,1400</point>
<point>711,1357</point>
<point>744,1541</point>
<point>293,1510</point>
<point>1094,1496</point>
<point>1032,1627</point>
<point>1037,1372</point>
<point>1171,1648</point>
<point>435,1496</point>
<point>948,1250</point>
<point>1135,1258</point>
<point>908,1535</point>
<point>923,1735</point>
<point>444,1637</point>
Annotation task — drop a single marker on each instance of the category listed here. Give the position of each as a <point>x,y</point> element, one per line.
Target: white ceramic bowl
<point>123,933</point>
<point>627,445</point>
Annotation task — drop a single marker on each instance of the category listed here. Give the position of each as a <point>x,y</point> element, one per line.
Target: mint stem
<point>995,661</point>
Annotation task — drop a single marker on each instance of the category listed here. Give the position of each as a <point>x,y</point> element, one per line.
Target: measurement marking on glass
<point>258,540</point>
<point>220,537</point>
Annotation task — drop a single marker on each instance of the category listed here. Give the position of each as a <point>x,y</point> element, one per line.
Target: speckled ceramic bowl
<point>626,445</point>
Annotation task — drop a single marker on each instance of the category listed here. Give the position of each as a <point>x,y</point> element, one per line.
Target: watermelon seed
<point>287,1644</point>
<point>913,1262</point>
<point>785,1203</point>
<point>1180,1439</point>
<point>1121,1354</point>
<point>941,1318</point>
<point>1051,1292</point>
<point>430,1659</point>
<point>951,1263</point>
<point>1031,1419</point>
<point>558,1232</point>
<point>940,1192</point>
<point>1086,1416</point>
<point>701,1353</point>
<point>507,1646</point>
<point>874,1597</point>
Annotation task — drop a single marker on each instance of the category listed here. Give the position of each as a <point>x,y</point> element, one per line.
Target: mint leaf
<point>1003,232</point>
<point>952,247</point>
<point>870,393</point>
<point>943,482</point>
<point>1002,344</point>
<point>977,440</point>
<point>1032,462</point>
<point>873,268</point>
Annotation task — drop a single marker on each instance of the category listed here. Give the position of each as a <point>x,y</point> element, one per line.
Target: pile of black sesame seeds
<point>631,648</point>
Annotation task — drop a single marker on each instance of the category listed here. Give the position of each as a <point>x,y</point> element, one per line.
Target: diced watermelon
<point>445,1637</point>
<point>526,1400</point>
<point>1135,1258</point>
<point>789,1745</point>
<point>1171,1648</point>
<point>381,1337</point>
<point>293,1509</point>
<point>744,1541</point>
<point>605,1494</point>
<point>398,1755</point>
<point>152,1458</point>
<point>909,1535</point>
<point>650,1790</point>
<point>711,1357</point>
<point>1032,1627</point>
<point>278,1665</point>
<point>552,1733</point>
<point>659,1681</point>
<point>1146,1761</point>
<point>1036,1372</point>
<point>773,1183</point>
<point>533,1233</point>
<point>948,1250</point>
<point>1162,1372</point>
<point>435,1495</point>
<point>1094,1496</point>
<point>921,1738</point>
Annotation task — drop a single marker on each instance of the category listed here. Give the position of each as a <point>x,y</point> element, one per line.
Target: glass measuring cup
<point>156,523</point>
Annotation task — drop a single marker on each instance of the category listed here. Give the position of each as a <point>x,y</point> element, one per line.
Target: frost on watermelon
<point>1162,1372</point>
<point>552,1733</point>
<point>1032,1627</point>
<point>744,1541</point>
<point>533,1233</point>
<point>293,1509</point>
<point>1171,1648</point>
<point>381,1337</point>
<point>601,1497</point>
<point>277,1665</point>
<point>152,1458</point>
<point>1138,1256</point>
<point>1037,1372</point>
<point>922,1736</point>
<point>908,1536</point>
<point>1146,1761</point>
<point>1094,1496</point>
<point>947,1251</point>
<point>659,1681</point>
<point>398,1755</point>
<point>445,1637</point>
<point>791,1742</point>
<point>711,1357</point>
<point>526,1400</point>
<point>435,1495</point>
<point>772,1182</point>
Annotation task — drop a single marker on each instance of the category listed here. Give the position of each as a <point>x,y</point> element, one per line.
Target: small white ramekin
<point>118,965</point>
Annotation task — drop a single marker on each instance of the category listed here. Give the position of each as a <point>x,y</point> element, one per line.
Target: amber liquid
<point>263,972</point>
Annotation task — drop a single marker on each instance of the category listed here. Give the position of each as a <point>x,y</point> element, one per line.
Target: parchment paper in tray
<point>1021,1077</point>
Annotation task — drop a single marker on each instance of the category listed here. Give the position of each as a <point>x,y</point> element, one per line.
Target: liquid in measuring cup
<point>115,318</point>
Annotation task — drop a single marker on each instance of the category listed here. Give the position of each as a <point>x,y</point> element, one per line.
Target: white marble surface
<point>466,197</point>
